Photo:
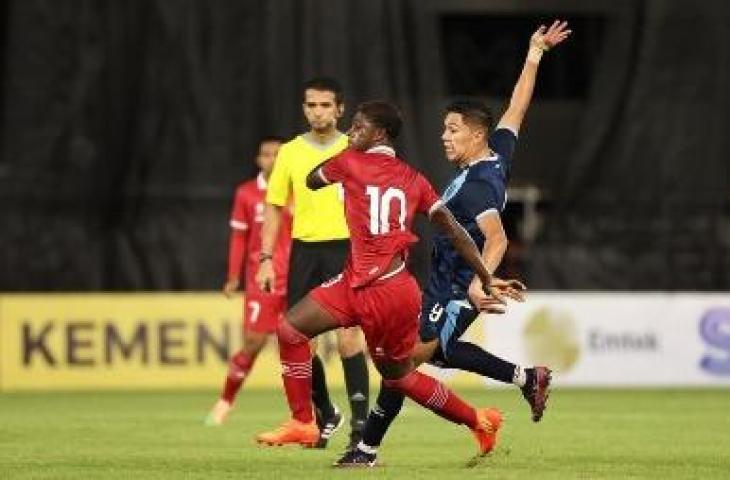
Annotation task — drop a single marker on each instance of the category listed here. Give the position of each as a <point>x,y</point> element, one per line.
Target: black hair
<point>383,115</point>
<point>325,84</point>
<point>474,112</point>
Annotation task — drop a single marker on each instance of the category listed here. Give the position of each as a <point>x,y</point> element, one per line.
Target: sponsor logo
<point>379,352</point>
<point>358,397</point>
<point>86,343</point>
<point>601,341</point>
<point>715,332</point>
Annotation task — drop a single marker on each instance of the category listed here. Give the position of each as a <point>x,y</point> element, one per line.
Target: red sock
<point>296,370</point>
<point>435,396</point>
<point>238,369</point>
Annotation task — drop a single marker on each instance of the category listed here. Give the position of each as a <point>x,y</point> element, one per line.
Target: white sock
<point>520,376</point>
<point>367,448</point>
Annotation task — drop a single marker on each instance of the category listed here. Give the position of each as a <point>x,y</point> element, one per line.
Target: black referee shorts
<point>312,263</point>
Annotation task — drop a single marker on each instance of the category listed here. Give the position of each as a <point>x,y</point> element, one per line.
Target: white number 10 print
<point>380,208</point>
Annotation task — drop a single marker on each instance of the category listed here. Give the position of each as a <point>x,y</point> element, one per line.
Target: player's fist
<point>229,289</point>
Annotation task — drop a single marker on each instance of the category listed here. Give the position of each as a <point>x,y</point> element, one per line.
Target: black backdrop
<point>126,125</point>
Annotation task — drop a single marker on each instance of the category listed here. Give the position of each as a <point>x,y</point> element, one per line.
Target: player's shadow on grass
<point>479,460</point>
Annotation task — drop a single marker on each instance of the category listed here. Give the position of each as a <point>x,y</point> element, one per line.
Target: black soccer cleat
<point>329,427</point>
<point>356,458</point>
<point>537,390</point>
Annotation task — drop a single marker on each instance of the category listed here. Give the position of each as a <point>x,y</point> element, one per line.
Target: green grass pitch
<point>585,434</point>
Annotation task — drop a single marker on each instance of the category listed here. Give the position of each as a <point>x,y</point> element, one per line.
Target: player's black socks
<point>320,394</point>
<point>386,408</point>
<point>358,388</point>
<point>469,357</point>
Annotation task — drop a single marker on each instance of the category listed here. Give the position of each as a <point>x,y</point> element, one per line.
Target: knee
<point>400,383</point>
<point>287,334</point>
<point>394,374</point>
<point>252,344</point>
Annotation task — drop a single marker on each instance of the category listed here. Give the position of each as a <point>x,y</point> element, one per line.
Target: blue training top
<point>479,189</point>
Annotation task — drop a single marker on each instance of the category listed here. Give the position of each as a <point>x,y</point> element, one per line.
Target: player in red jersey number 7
<point>262,310</point>
<point>375,291</point>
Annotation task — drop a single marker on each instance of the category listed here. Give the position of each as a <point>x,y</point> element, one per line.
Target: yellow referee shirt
<point>318,214</point>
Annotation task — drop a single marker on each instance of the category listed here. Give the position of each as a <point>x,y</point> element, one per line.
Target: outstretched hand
<point>546,38</point>
<point>492,299</point>
<point>512,288</point>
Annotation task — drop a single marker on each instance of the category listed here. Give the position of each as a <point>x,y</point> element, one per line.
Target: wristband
<point>534,54</point>
<point>537,48</point>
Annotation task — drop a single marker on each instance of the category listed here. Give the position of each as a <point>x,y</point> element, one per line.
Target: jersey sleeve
<point>239,217</point>
<point>277,190</point>
<point>335,169</point>
<point>428,198</point>
<point>480,198</point>
<point>240,227</point>
<point>503,141</point>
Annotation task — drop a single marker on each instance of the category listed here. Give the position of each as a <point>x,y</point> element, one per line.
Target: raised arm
<point>541,41</point>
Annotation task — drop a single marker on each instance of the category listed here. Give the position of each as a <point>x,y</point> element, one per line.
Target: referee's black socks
<point>320,394</point>
<point>358,388</point>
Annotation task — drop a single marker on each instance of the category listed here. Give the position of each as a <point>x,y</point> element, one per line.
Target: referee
<point>320,243</point>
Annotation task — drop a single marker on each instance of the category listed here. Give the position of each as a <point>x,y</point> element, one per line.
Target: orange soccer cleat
<point>291,431</point>
<point>489,421</point>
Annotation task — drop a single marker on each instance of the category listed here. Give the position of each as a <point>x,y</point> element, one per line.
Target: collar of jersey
<point>261,182</point>
<point>492,158</point>
<point>384,149</point>
<point>320,146</point>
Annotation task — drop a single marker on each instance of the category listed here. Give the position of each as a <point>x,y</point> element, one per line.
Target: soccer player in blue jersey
<point>452,297</point>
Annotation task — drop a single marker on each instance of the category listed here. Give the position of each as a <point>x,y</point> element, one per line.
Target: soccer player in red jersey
<point>262,310</point>
<point>375,291</point>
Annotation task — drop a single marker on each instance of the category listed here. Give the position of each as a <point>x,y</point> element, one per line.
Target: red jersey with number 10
<point>382,196</point>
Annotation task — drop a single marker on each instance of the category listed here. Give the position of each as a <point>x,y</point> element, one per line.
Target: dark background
<point>127,125</point>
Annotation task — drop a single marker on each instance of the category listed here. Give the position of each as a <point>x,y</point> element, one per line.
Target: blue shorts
<point>445,319</point>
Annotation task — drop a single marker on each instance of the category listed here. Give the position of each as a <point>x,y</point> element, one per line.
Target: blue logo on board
<point>715,331</point>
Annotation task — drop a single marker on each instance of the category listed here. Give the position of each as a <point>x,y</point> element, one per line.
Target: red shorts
<point>262,312</point>
<point>387,310</point>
